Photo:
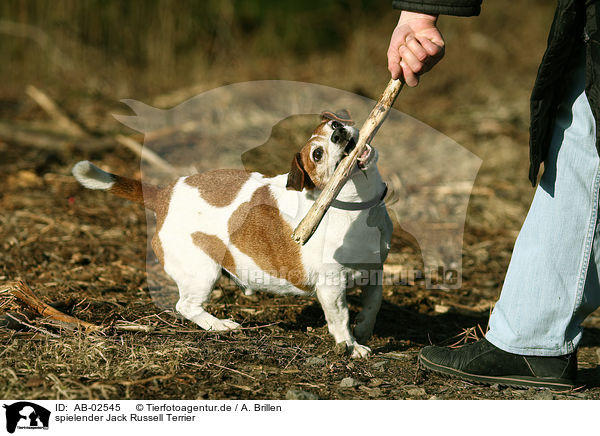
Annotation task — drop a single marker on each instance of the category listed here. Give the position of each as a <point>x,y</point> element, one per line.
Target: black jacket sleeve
<point>464,8</point>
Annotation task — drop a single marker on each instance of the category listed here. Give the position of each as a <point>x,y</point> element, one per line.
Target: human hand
<point>415,47</point>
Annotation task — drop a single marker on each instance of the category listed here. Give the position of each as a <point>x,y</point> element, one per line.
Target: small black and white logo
<point>27,416</point>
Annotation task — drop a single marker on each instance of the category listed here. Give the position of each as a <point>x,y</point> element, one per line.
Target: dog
<point>240,224</point>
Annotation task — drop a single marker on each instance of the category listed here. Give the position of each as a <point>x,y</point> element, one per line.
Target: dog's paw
<point>223,325</point>
<point>360,351</point>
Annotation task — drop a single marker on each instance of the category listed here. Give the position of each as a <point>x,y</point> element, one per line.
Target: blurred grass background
<point>111,49</point>
<point>88,55</point>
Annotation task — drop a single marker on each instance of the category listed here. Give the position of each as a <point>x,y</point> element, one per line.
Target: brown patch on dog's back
<point>162,200</point>
<point>219,187</point>
<point>216,249</point>
<point>258,230</point>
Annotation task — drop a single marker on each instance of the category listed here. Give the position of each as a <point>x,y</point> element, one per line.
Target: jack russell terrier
<point>240,224</point>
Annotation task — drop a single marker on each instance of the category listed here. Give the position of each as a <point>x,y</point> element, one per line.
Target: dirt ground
<point>84,252</point>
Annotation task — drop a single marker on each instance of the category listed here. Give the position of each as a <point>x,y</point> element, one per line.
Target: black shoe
<point>482,362</point>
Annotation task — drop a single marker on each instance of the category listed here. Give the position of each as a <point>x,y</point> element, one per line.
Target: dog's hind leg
<point>365,321</point>
<point>194,291</point>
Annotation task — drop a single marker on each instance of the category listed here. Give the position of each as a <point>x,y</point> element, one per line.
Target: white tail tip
<point>92,177</point>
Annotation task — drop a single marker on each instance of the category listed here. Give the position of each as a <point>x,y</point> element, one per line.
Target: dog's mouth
<point>351,145</point>
<point>364,158</point>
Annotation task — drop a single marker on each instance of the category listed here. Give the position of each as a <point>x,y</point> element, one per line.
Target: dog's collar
<point>347,205</point>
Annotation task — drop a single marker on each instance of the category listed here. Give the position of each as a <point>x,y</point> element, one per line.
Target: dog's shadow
<point>590,376</point>
<point>404,324</point>
<point>409,327</point>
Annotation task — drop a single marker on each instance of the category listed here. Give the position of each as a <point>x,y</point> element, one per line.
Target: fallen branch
<point>27,298</point>
<point>19,293</point>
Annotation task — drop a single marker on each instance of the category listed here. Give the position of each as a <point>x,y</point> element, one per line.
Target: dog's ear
<point>343,116</point>
<point>298,178</point>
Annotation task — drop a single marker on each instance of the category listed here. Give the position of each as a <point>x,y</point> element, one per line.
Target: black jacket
<point>576,25</point>
<point>463,8</point>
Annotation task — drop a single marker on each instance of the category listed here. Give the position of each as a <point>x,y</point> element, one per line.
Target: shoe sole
<point>516,381</point>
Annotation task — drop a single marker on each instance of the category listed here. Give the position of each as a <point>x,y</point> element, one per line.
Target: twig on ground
<point>230,369</point>
<point>470,334</point>
<point>293,358</point>
<point>258,326</point>
<point>312,385</point>
<point>127,326</point>
<point>170,324</point>
<point>31,326</point>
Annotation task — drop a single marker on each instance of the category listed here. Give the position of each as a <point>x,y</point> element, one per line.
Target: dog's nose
<point>338,135</point>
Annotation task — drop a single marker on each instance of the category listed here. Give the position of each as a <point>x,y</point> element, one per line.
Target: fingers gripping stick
<point>378,114</point>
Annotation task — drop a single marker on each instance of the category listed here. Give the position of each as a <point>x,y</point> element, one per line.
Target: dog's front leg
<point>365,321</point>
<point>333,301</point>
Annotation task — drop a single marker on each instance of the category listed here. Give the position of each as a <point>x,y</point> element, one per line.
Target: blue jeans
<point>552,282</point>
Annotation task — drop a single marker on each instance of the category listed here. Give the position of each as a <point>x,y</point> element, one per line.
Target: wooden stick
<point>311,221</point>
<point>133,327</point>
<point>25,295</point>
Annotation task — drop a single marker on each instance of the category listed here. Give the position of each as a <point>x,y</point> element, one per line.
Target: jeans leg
<point>551,285</point>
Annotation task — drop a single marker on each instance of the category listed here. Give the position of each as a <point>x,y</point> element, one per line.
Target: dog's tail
<point>92,177</point>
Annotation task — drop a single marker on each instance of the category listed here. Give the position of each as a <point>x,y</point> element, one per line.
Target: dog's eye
<point>336,125</point>
<point>317,154</point>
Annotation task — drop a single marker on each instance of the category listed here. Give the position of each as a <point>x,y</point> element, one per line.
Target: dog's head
<point>332,140</point>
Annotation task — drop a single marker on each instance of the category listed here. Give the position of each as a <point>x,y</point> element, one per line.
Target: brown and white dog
<point>240,223</point>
